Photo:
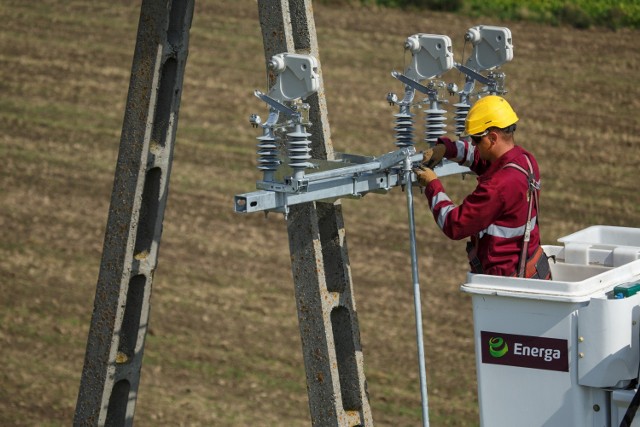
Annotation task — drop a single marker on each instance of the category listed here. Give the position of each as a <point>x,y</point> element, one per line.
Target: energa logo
<point>525,351</point>
<point>498,347</point>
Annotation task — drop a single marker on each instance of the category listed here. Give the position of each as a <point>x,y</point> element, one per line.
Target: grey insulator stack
<point>298,145</point>
<point>404,129</point>
<point>435,124</point>
<point>268,155</point>
<point>462,111</point>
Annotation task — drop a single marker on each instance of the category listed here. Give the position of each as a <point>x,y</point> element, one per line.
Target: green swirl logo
<point>497,347</point>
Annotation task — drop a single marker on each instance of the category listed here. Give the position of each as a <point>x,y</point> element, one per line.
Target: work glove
<point>424,175</point>
<point>434,155</point>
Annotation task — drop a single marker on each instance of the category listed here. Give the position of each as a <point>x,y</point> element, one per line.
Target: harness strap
<point>532,196</point>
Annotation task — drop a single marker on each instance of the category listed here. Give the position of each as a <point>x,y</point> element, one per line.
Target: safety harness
<point>537,266</point>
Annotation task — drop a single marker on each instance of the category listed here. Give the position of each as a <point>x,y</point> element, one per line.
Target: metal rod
<point>416,294</point>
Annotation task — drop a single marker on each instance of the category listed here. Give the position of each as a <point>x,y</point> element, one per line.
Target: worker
<point>501,215</point>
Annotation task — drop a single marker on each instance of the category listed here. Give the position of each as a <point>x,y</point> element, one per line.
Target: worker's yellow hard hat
<point>487,112</point>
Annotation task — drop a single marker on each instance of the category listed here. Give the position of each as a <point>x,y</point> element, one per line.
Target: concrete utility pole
<point>320,263</point>
<point>115,346</point>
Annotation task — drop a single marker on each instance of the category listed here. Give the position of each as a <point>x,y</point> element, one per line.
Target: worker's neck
<point>501,149</point>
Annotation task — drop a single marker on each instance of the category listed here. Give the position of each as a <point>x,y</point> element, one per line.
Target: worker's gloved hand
<point>434,155</point>
<point>424,175</point>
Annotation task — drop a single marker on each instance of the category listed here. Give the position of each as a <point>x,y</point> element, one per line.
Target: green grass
<point>578,13</point>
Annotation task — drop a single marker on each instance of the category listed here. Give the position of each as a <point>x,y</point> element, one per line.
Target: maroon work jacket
<point>495,214</point>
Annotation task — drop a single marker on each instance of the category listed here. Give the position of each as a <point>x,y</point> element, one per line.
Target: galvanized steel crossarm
<point>379,175</point>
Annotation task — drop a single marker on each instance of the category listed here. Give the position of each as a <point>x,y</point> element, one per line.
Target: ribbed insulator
<point>268,155</point>
<point>298,147</point>
<point>404,130</point>
<point>435,124</point>
<point>462,111</point>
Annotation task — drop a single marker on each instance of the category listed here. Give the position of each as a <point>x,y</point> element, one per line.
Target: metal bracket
<point>275,104</point>
<point>475,75</point>
<point>410,82</point>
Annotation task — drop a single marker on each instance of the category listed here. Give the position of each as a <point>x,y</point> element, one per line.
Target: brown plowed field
<point>224,347</point>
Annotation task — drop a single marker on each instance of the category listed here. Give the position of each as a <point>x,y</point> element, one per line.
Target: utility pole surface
<point>115,345</point>
<point>320,263</point>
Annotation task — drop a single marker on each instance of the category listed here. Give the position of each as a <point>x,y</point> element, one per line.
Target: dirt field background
<point>223,346</point>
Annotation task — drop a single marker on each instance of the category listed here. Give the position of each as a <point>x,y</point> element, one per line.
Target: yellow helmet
<point>490,111</point>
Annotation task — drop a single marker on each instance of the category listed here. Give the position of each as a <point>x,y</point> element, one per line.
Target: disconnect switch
<point>492,47</point>
<point>297,76</point>
<point>432,55</point>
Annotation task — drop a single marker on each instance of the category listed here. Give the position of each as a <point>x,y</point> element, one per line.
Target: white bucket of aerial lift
<point>604,245</point>
<point>560,353</point>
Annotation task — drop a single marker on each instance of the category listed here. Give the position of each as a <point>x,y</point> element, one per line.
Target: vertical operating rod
<point>416,293</point>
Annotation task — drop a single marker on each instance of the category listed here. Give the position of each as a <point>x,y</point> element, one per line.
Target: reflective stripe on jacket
<point>494,215</point>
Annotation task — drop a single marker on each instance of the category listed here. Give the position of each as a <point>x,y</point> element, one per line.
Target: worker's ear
<point>493,138</point>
